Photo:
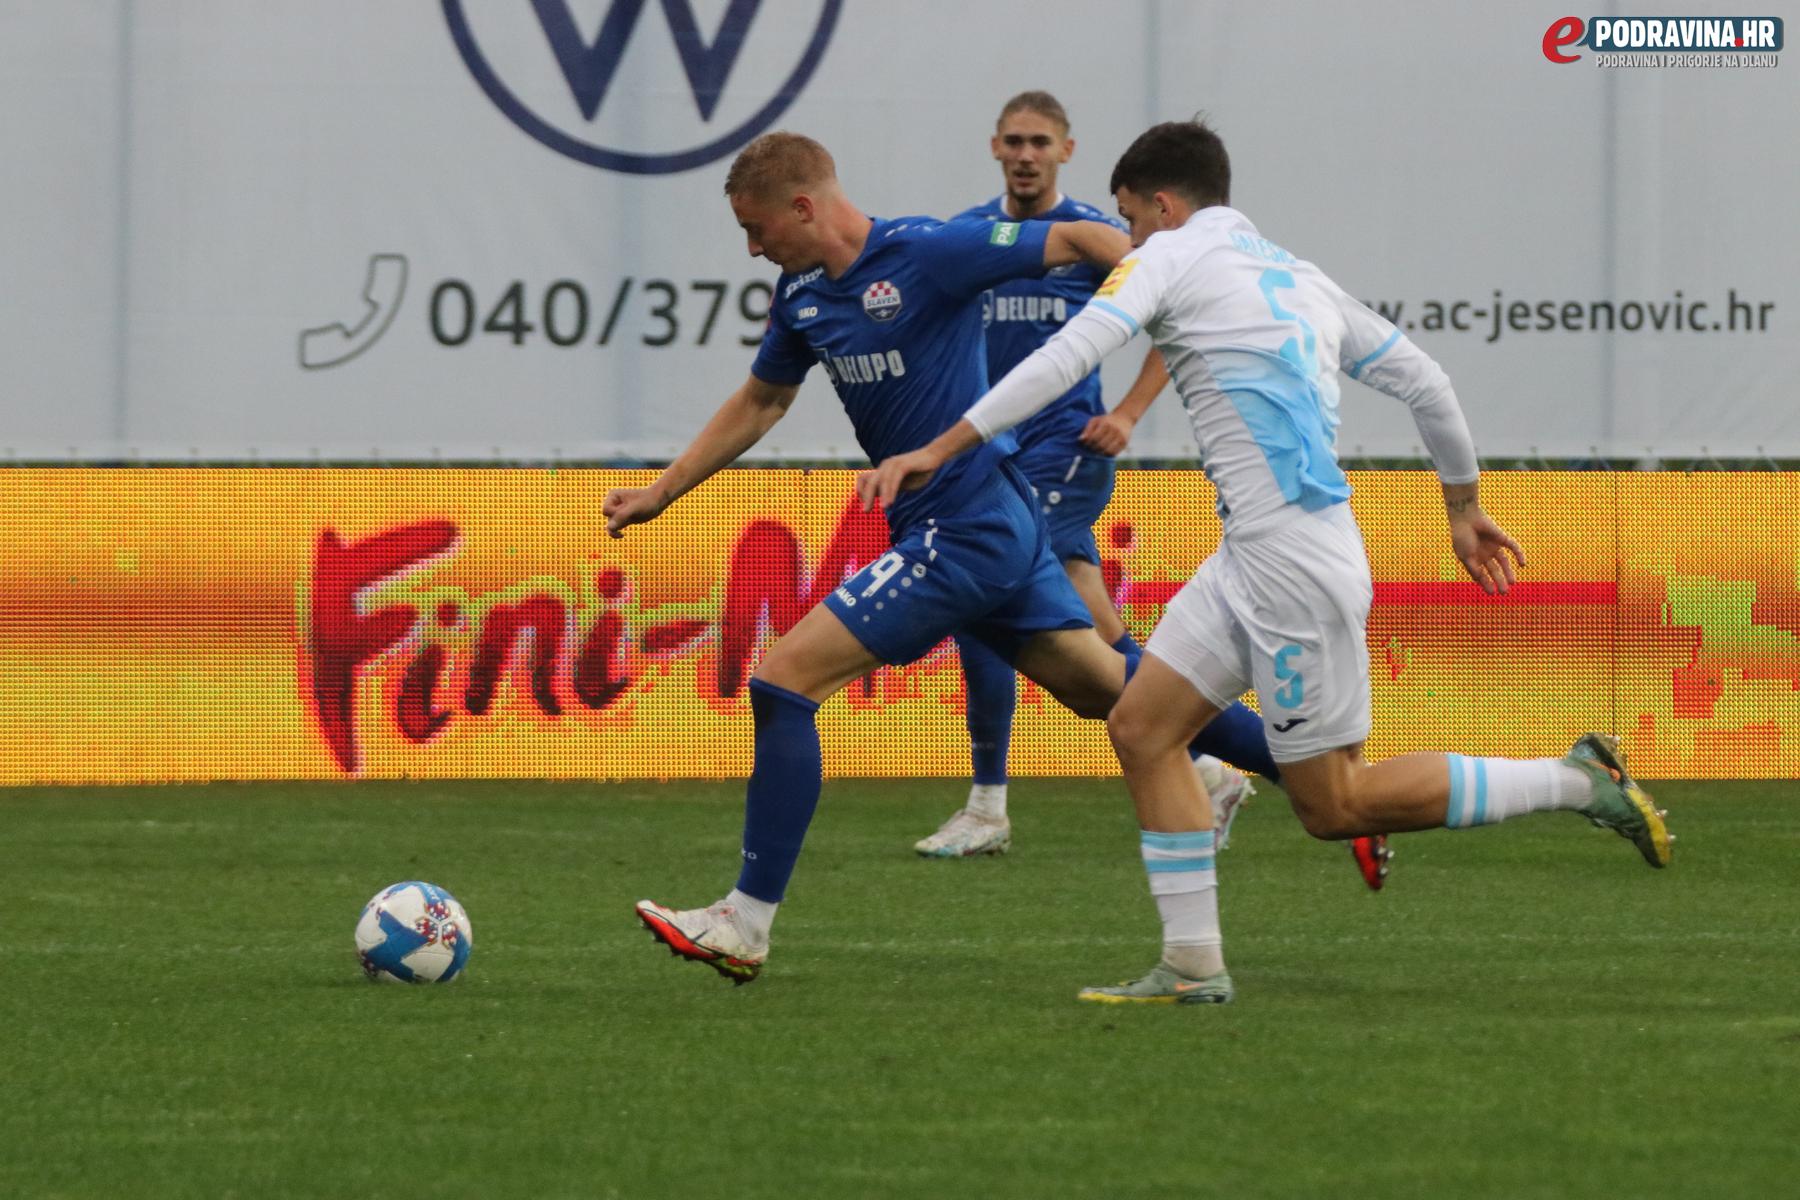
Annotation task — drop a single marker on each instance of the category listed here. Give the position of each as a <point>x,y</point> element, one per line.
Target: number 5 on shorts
<point>1294,689</point>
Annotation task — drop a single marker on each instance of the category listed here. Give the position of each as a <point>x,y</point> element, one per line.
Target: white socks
<point>1186,887</point>
<point>754,917</point>
<point>988,800</point>
<point>1486,790</point>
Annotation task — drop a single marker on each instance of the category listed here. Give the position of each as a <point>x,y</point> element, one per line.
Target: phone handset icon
<point>329,345</point>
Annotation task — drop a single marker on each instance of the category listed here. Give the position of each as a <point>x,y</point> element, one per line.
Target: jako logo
<point>1612,34</point>
<point>552,80</point>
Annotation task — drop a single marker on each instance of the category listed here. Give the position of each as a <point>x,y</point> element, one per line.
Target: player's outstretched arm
<point>1047,372</point>
<point>1487,552</point>
<point>1093,242</point>
<point>739,424</point>
<point>1109,433</point>
<point>1386,359</point>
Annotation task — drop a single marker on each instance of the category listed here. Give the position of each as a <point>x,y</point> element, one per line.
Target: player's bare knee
<point>783,668</point>
<point>791,675</point>
<point>1135,735</point>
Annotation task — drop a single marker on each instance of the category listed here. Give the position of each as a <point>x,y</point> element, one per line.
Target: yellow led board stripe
<point>182,624</point>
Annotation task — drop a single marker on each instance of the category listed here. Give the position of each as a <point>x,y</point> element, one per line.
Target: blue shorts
<point>1072,488</point>
<point>986,571</point>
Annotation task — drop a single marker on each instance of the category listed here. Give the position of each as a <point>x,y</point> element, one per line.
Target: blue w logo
<point>590,67</point>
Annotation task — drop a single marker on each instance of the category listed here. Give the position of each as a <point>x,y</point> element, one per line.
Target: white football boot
<point>1229,788</point>
<point>966,835</point>
<point>710,935</point>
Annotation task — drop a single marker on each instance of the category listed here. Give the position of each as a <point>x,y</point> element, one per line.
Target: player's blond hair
<point>779,165</point>
<point>1041,103</point>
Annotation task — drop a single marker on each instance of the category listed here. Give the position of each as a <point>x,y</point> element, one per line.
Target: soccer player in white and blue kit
<point>1254,339</point>
<point>1066,454</point>
<point>891,310</point>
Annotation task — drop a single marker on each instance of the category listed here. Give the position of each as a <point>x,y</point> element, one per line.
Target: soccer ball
<point>415,932</point>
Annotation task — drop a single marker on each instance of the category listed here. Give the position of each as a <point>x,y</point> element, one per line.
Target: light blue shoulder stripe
<point>1115,310</point>
<point>1359,364</point>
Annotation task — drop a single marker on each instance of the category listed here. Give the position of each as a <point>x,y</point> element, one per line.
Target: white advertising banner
<point>484,229</point>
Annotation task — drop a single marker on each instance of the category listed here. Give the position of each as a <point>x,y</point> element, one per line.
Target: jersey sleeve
<point>1127,300</point>
<point>1048,372</point>
<point>1132,296</point>
<point>966,257</point>
<point>784,357</point>
<point>1374,352</point>
<point>1088,213</point>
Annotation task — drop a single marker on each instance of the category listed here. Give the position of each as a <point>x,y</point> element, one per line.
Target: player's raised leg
<point>1307,594</point>
<point>811,663</point>
<point>1339,794</point>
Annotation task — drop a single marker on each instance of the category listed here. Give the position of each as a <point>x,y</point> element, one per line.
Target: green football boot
<point>1163,986</point>
<point>1619,804</point>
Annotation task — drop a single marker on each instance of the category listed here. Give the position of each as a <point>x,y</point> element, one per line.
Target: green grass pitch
<point>1525,1011</point>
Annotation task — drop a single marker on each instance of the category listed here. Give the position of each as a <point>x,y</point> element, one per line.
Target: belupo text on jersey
<point>1025,308</point>
<point>863,368</point>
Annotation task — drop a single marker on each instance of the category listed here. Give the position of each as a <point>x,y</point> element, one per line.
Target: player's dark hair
<point>779,162</point>
<point>1041,103</point>
<point>1184,157</point>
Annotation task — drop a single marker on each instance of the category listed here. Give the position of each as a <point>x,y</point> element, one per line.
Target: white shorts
<point>1286,613</point>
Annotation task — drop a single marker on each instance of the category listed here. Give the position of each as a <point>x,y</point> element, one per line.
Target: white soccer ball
<point>414,932</point>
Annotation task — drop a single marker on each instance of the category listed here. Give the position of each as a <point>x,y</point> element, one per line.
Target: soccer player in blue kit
<point>1066,454</point>
<point>891,309</point>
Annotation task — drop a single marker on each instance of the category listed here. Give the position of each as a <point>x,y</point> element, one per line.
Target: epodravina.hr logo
<point>591,78</point>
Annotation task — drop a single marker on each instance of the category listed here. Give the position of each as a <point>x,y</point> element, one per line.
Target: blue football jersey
<point>899,335</point>
<point>1020,316</point>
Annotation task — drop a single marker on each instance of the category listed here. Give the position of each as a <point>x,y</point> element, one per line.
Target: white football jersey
<point>1254,339</point>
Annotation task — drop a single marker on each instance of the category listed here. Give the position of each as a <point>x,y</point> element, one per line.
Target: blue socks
<point>1236,735</point>
<point>993,695</point>
<point>783,791</point>
<point>1127,645</point>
